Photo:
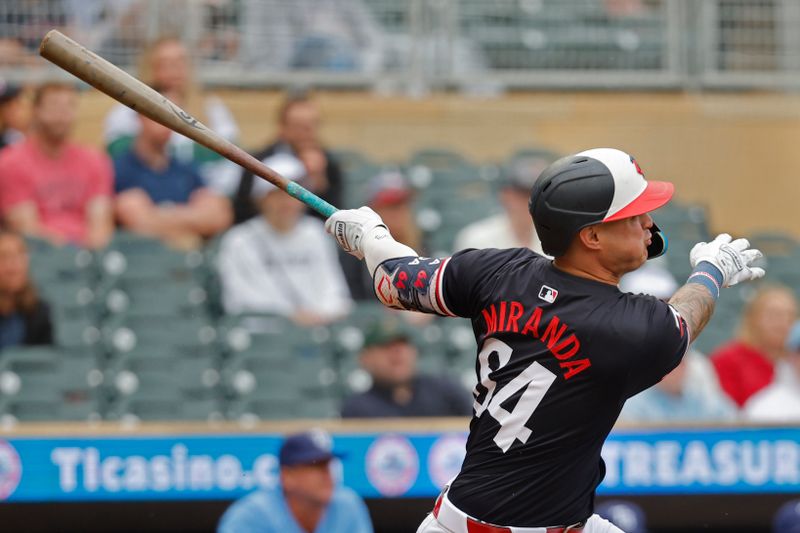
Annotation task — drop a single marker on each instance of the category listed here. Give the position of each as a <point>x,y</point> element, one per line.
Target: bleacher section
<point>140,333</point>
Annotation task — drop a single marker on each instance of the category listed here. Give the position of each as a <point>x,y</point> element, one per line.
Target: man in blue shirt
<point>308,501</point>
<point>159,196</point>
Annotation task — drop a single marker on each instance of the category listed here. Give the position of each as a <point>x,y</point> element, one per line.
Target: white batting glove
<point>732,258</point>
<point>351,226</point>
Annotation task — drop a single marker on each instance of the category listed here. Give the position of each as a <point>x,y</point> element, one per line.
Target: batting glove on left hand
<point>732,258</point>
<point>351,226</point>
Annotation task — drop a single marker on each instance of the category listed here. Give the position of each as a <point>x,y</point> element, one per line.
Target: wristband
<point>708,275</point>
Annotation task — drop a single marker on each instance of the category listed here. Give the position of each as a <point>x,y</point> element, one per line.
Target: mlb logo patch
<point>548,294</point>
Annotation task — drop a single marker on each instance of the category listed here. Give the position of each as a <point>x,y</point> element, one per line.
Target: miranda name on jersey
<point>508,317</point>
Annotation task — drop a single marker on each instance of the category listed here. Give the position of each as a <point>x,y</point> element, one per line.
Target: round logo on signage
<point>392,465</point>
<point>10,470</point>
<point>446,456</point>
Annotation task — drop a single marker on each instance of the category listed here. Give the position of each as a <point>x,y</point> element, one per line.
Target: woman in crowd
<point>747,364</point>
<point>24,316</point>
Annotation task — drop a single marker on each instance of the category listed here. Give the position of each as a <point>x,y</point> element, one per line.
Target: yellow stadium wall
<point>737,154</point>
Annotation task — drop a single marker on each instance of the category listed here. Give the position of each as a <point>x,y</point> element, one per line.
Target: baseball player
<point>560,348</point>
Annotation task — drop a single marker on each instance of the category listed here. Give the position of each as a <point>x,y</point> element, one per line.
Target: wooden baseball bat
<point>121,86</point>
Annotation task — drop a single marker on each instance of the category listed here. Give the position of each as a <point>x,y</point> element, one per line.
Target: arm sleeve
<point>453,286</point>
<point>362,521</point>
<point>122,180</point>
<point>16,185</point>
<point>102,183</point>
<point>659,344</point>
<point>196,180</point>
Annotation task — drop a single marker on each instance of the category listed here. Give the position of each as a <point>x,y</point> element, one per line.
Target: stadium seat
<point>150,408</point>
<point>136,257</point>
<point>146,371</point>
<point>156,296</point>
<point>75,331</point>
<point>123,333</point>
<point>35,379</point>
<point>48,410</point>
<point>51,264</point>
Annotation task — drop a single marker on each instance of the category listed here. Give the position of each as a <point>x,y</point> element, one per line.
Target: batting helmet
<point>599,185</point>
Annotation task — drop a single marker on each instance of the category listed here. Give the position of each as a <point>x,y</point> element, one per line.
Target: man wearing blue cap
<point>308,500</point>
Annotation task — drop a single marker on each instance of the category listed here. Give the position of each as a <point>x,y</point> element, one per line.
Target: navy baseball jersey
<point>558,355</point>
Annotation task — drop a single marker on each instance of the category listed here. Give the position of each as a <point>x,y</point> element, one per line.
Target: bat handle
<point>310,199</point>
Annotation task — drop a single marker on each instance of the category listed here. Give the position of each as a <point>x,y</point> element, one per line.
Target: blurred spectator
<point>787,518</point>
<point>51,187</point>
<point>626,515</point>
<point>298,135</point>
<point>160,196</point>
<point>283,261</point>
<point>24,316</point>
<point>398,390</point>
<point>747,365</point>
<point>165,64</point>
<point>691,391</point>
<point>513,228</point>
<point>389,194</point>
<point>14,114</point>
<point>780,401</point>
<point>23,23</point>
<point>308,498</point>
<point>338,35</point>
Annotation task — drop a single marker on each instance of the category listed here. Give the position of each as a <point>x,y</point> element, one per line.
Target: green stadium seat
<point>75,331</point>
<point>283,408</point>
<point>775,243</point>
<point>50,264</point>
<point>38,376</point>
<point>70,295</point>
<point>50,411</point>
<point>165,408</point>
<point>154,296</point>
<point>438,159</point>
<point>123,333</point>
<point>136,257</point>
<point>151,371</point>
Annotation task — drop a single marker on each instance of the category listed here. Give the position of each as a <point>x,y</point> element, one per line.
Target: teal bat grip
<point>310,199</point>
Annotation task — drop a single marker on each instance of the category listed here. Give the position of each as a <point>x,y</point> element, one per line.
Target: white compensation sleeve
<point>379,245</point>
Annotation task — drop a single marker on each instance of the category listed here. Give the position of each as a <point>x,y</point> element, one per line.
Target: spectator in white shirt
<point>512,228</point>
<point>780,401</point>
<point>282,262</point>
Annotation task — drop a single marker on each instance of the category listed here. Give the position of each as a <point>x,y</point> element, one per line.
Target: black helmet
<point>598,185</point>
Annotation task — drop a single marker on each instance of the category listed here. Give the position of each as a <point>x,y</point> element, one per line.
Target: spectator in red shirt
<point>51,187</point>
<point>747,364</point>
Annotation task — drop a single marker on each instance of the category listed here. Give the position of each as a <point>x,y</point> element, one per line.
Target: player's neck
<point>586,269</point>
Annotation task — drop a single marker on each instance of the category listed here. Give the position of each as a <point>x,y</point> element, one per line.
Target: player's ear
<point>590,237</point>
